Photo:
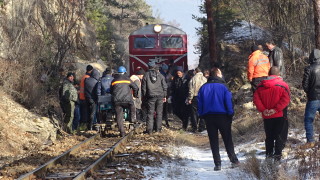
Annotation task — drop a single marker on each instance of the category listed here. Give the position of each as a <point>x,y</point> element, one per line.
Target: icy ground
<point>197,164</point>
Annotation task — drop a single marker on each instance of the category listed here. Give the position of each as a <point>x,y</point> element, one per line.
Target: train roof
<point>166,29</point>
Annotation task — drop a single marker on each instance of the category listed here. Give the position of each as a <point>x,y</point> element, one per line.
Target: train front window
<point>144,42</point>
<point>171,42</point>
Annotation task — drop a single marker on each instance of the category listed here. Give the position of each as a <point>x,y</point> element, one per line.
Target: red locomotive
<point>161,43</point>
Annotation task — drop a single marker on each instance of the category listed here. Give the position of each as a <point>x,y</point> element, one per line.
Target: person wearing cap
<point>90,89</point>
<point>154,91</point>
<point>84,107</point>
<point>258,67</point>
<point>69,98</point>
<point>121,91</point>
<point>136,78</point>
<point>179,91</point>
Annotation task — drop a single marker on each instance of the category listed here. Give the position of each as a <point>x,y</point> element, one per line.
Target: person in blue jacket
<point>216,108</point>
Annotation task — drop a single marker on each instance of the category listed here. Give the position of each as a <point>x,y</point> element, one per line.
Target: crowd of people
<point>201,97</point>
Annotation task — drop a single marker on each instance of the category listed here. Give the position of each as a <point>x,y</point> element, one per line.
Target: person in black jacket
<point>90,91</point>
<point>154,91</point>
<point>179,92</point>
<point>311,85</point>
<point>122,96</point>
<point>276,57</point>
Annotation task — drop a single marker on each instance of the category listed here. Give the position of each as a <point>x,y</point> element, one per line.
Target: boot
<point>217,168</point>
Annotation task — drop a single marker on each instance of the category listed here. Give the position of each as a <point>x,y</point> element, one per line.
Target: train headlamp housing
<point>157,28</point>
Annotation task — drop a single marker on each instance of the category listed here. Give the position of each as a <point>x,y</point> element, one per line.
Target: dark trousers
<point>221,123</point>
<point>92,113</point>
<point>119,113</point>
<point>276,130</point>
<point>154,104</point>
<point>77,117</point>
<point>180,110</point>
<point>84,112</point>
<point>196,122</point>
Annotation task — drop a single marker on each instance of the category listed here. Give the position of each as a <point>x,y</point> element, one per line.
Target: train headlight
<point>157,28</point>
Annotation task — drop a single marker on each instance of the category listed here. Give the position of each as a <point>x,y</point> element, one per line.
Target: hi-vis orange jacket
<point>81,94</point>
<point>258,65</point>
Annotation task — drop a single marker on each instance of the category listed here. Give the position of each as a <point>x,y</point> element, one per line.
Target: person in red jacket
<point>272,98</point>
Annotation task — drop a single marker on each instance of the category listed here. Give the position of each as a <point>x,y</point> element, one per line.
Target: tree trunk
<point>211,33</point>
<point>316,9</point>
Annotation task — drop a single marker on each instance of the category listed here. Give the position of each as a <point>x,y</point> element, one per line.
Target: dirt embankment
<point>20,129</point>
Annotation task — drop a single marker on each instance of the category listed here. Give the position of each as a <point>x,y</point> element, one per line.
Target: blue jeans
<point>311,109</point>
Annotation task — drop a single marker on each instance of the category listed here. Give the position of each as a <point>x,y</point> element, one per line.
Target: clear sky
<point>181,11</point>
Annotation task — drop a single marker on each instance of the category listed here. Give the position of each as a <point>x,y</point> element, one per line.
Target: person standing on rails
<point>84,107</point>
<point>154,91</point>
<point>215,106</point>
<point>276,57</point>
<point>137,78</point>
<point>69,98</point>
<point>90,87</point>
<point>272,98</point>
<point>194,85</point>
<point>122,97</point>
<point>258,67</point>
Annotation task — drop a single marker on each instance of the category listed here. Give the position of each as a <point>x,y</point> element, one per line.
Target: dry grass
<point>309,162</point>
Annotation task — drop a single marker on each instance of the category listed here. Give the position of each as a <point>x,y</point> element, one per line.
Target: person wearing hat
<point>69,97</point>
<point>121,91</point>
<point>136,78</point>
<point>179,92</point>
<point>258,67</point>
<point>154,91</point>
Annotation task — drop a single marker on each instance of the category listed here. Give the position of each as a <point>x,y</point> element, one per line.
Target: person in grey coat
<point>154,91</point>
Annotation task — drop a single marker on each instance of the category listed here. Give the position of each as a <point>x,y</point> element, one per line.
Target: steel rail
<point>41,171</point>
<point>107,156</point>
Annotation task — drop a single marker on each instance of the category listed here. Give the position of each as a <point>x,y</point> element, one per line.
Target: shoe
<point>122,134</point>
<point>308,145</point>
<point>235,164</point>
<point>217,168</point>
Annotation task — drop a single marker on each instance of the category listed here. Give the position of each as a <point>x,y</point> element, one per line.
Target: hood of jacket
<point>270,81</point>
<point>95,74</point>
<point>314,56</point>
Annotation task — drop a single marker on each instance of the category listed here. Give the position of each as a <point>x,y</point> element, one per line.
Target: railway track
<point>82,160</point>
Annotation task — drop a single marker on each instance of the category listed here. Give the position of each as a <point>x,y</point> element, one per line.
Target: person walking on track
<point>121,87</point>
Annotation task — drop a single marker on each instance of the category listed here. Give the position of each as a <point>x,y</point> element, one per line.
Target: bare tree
<point>211,32</point>
<point>316,9</point>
